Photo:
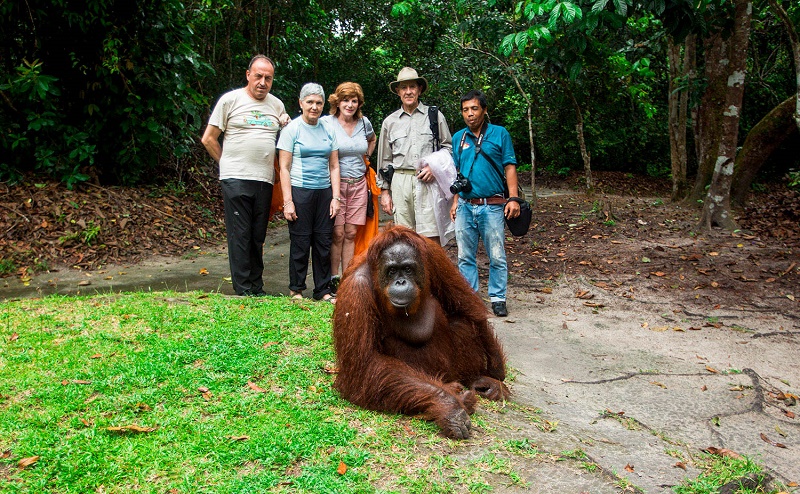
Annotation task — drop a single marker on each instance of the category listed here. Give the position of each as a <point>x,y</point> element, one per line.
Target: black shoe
<point>257,293</point>
<point>334,284</point>
<point>499,309</point>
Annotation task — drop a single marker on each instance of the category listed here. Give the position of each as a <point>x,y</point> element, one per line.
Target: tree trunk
<point>795,42</point>
<point>716,208</point>
<point>533,157</point>
<point>680,69</point>
<point>708,121</point>
<point>760,143</point>
<point>587,157</point>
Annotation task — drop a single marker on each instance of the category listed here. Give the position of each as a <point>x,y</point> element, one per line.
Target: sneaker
<point>499,309</point>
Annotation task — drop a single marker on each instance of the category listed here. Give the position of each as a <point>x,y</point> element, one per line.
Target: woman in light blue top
<point>309,162</point>
<point>356,139</point>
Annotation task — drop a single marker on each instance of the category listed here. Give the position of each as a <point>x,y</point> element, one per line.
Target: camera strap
<point>478,143</point>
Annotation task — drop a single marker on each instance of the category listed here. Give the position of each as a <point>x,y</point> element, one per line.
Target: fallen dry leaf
<point>75,381</point>
<point>771,442</point>
<point>722,452</point>
<point>712,370</point>
<point>204,272</point>
<point>594,304</point>
<point>680,464</point>
<point>203,389</point>
<point>130,428</point>
<point>84,283</point>
<point>255,387</point>
<point>237,438</point>
<point>342,468</point>
<point>13,337</point>
<point>584,294</point>
<point>27,462</point>
<point>660,385</point>
<point>96,356</point>
<point>629,468</point>
<point>788,414</point>
<point>330,369</point>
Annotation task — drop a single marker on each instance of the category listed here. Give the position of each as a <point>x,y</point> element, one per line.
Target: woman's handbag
<point>520,225</point>
<point>370,205</point>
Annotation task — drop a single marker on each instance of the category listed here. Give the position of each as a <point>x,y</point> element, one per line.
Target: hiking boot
<point>499,309</point>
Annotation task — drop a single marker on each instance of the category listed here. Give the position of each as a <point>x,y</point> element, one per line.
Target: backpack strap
<point>433,116</point>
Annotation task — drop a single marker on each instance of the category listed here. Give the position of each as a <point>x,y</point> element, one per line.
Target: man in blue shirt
<point>484,157</point>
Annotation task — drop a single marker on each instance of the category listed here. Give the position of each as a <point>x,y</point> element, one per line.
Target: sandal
<point>329,298</point>
<point>295,295</point>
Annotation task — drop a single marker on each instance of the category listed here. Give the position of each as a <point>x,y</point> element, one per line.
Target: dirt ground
<point>628,238</point>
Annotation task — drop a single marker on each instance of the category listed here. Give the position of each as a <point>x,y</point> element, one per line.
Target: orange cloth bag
<point>277,193</point>
<point>369,230</point>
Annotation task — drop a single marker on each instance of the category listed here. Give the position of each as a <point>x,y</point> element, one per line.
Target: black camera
<point>388,173</point>
<point>461,184</point>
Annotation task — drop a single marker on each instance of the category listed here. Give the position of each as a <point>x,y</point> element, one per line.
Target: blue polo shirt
<point>311,147</point>
<point>485,176</point>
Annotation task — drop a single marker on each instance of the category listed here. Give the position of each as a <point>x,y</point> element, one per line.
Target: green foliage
<point>7,266</point>
<point>720,470</point>
<point>102,97</point>
<point>33,136</point>
<point>92,90</point>
<point>793,179</point>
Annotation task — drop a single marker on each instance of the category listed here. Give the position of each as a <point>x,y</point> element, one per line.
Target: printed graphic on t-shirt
<point>257,118</point>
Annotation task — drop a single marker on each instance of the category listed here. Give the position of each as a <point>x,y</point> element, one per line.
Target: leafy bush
<point>106,94</point>
<point>793,178</point>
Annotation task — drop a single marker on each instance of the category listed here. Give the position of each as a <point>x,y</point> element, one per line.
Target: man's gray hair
<point>312,88</point>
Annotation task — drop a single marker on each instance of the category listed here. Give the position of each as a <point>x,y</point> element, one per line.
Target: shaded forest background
<point>115,92</point>
<point>119,91</point>
<point>102,103</point>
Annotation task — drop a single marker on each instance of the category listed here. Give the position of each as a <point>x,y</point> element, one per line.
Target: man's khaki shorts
<point>404,196</point>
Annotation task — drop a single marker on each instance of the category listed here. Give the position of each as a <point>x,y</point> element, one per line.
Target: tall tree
<point>762,140</point>
<point>681,74</point>
<point>731,62</point>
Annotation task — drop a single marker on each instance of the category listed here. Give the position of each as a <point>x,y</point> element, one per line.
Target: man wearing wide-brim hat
<point>406,138</point>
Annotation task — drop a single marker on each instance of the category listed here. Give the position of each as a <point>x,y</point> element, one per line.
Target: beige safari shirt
<point>405,138</point>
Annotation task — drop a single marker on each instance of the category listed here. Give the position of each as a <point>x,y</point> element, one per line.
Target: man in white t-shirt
<point>250,118</point>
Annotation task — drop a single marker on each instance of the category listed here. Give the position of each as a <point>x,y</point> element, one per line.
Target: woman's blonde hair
<point>346,90</point>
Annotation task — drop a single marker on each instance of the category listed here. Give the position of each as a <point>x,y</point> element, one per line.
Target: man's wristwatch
<point>337,199</point>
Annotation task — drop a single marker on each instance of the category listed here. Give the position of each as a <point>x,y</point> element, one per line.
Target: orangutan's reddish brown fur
<point>411,336</point>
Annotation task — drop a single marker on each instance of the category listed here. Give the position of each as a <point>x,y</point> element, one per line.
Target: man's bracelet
<point>287,203</point>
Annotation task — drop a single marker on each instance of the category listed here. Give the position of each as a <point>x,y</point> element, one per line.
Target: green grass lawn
<point>168,392</point>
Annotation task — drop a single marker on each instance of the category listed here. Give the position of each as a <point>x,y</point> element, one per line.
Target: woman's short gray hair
<point>312,88</point>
